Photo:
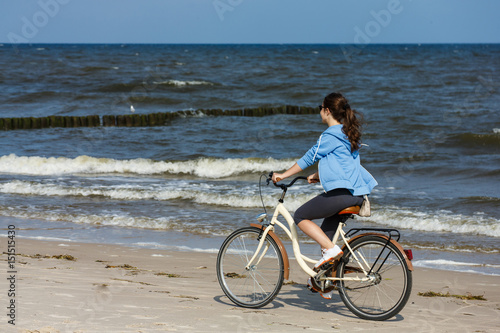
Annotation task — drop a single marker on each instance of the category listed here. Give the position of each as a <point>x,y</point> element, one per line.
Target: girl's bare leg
<point>312,230</point>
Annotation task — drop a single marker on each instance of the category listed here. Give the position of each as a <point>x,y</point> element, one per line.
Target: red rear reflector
<point>409,254</point>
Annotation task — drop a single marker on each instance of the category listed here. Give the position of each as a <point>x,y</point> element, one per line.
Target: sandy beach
<point>74,287</point>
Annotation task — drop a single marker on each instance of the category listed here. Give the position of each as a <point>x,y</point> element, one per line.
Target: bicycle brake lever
<point>270,177</point>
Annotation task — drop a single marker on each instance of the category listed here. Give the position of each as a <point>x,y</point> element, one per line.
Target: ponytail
<point>349,118</point>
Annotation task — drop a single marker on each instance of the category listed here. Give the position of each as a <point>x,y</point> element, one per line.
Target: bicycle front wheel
<point>390,281</point>
<point>258,284</point>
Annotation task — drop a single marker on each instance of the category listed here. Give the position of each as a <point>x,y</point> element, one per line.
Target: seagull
<point>132,108</point>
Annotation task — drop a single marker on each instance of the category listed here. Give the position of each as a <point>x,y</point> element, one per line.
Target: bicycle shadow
<point>223,299</point>
<point>299,296</point>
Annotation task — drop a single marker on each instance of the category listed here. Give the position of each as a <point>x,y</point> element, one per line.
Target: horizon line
<point>340,43</point>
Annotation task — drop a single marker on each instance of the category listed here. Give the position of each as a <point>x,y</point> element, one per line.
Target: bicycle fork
<point>262,237</point>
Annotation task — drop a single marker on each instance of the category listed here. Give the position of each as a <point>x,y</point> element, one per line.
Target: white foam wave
<point>46,238</point>
<point>467,267</point>
<point>441,221</point>
<point>444,262</point>
<point>167,223</point>
<point>208,195</point>
<point>163,223</point>
<point>453,248</point>
<point>180,83</point>
<point>203,167</point>
<point>496,130</point>
<point>180,248</point>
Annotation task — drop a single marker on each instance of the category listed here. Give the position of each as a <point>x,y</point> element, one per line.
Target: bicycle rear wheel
<point>390,279</point>
<point>261,282</point>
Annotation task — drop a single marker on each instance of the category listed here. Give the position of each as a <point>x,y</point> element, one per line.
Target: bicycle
<point>373,277</point>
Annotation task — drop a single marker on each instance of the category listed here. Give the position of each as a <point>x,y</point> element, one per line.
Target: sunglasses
<point>321,107</point>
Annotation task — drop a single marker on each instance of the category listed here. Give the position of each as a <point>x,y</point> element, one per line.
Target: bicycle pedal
<point>325,267</point>
<point>311,289</point>
<point>312,285</point>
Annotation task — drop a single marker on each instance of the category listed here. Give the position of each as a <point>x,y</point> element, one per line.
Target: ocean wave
<point>120,87</point>
<point>180,248</point>
<point>164,223</point>
<point>248,197</point>
<point>475,140</point>
<point>441,221</point>
<point>444,262</point>
<point>34,96</point>
<point>90,69</point>
<point>130,86</point>
<point>477,268</point>
<point>481,199</point>
<point>203,167</point>
<point>180,83</point>
<point>207,195</point>
<point>50,239</point>
<point>150,100</point>
<point>178,224</point>
<point>454,248</point>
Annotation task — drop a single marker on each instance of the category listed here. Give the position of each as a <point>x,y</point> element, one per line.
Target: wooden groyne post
<point>142,120</point>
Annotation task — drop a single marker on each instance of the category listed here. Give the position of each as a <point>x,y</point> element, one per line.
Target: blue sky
<point>250,21</point>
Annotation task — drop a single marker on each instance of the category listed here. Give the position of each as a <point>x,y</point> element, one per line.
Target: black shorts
<point>326,206</point>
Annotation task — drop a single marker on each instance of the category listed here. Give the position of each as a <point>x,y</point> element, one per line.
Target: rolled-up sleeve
<point>308,159</point>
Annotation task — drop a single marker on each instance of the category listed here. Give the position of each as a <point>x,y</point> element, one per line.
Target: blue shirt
<point>338,167</point>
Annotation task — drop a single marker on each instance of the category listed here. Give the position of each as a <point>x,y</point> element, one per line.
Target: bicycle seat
<point>350,210</point>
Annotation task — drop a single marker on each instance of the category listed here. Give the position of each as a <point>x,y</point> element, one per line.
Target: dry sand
<point>119,289</point>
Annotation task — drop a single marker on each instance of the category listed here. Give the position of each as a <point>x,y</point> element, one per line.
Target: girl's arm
<point>290,172</point>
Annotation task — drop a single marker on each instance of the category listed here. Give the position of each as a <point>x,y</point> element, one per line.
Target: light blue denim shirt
<point>338,167</point>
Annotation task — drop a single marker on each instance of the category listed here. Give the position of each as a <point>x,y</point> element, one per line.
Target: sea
<point>431,127</point>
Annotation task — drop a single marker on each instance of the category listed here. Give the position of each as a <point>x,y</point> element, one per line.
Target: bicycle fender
<point>393,241</point>
<point>284,255</point>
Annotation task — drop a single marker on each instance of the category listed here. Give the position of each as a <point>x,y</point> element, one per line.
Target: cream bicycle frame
<point>301,259</point>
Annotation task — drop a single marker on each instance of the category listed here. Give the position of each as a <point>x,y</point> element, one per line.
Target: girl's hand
<point>314,178</point>
<point>277,177</point>
<point>290,172</point>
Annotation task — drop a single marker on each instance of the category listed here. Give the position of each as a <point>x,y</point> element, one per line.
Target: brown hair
<point>342,112</point>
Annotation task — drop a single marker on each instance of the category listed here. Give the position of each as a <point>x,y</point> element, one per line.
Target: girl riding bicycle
<point>342,177</point>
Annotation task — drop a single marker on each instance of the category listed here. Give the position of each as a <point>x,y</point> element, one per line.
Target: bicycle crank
<point>320,284</point>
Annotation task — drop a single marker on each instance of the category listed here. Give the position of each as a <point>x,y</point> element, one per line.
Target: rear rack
<point>392,233</point>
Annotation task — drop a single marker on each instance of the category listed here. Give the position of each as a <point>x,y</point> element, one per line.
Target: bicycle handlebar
<point>284,186</point>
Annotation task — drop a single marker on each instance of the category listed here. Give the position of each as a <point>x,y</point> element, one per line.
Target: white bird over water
<point>132,108</point>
